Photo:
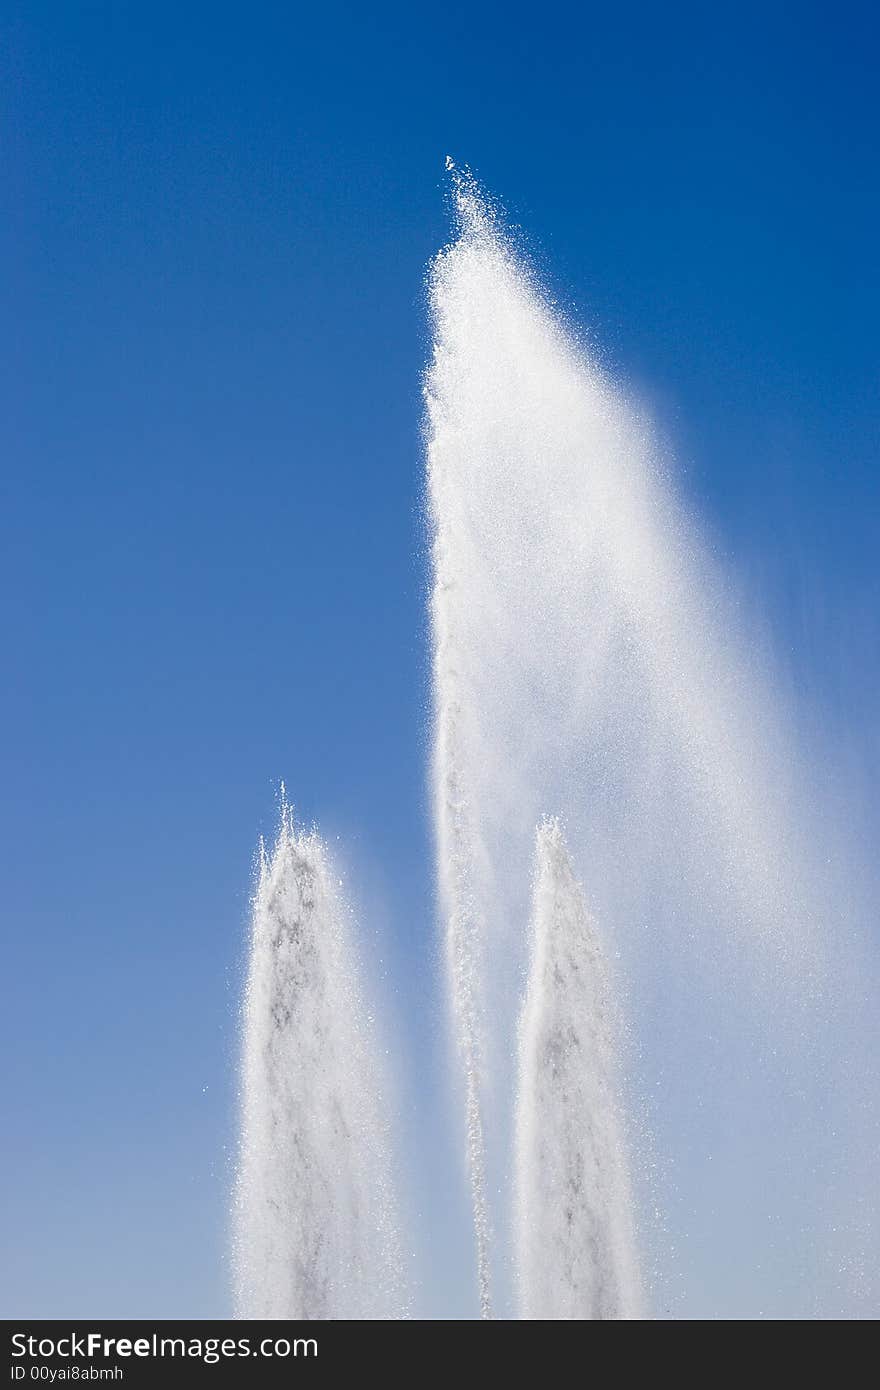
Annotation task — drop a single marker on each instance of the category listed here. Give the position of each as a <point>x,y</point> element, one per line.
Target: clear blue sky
<point>215,227</point>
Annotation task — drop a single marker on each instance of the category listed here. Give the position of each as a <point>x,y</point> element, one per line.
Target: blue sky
<point>216,225</point>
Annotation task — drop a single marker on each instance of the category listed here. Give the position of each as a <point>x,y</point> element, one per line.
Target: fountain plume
<point>315,1219</point>
<point>573,1224</point>
<point>588,655</point>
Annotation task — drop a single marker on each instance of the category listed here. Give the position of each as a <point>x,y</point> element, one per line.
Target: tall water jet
<point>457,845</point>
<point>573,1225</point>
<point>587,656</point>
<point>315,1226</point>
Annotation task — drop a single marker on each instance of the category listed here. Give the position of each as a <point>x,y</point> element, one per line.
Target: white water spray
<point>457,848</point>
<point>573,1225</point>
<point>315,1223</point>
<point>586,658</point>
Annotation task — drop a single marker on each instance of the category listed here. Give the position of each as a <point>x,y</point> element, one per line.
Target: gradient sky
<point>215,230</point>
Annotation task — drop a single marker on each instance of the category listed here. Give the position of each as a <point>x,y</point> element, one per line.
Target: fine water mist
<point>589,663</point>
<point>315,1221</point>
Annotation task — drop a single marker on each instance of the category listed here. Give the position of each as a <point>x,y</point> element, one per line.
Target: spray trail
<point>315,1227</point>
<point>588,657</point>
<point>457,844</point>
<point>573,1225</point>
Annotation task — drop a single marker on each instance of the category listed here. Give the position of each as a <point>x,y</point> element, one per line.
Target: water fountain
<point>589,662</point>
<point>687,1121</point>
<point>315,1220</point>
<point>574,1234</point>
